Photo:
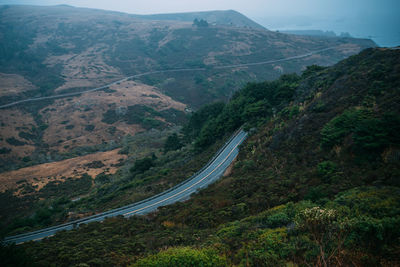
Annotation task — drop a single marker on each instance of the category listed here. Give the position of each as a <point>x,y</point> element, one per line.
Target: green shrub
<point>326,168</point>
<point>4,150</point>
<point>252,106</point>
<point>110,117</point>
<point>102,178</point>
<point>200,117</point>
<point>183,257</point>
<point>334,131</point>
<point>369,133</point>
<point>270,249</point>
<point>89,127</point>
<point>26,136</point>
<point>172,143</point>
<point>142,165</point>
<point>15,142</point>
<point>136,114</point>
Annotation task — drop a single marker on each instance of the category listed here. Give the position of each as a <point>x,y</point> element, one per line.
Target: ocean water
<point>384,31</point>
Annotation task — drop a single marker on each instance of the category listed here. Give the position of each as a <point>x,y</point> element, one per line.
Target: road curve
<point>164,71</point>
<point>207,175</point>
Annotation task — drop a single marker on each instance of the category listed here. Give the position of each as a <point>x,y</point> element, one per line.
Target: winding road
<point>207,175</point>
<point>163,71</point>
<point>213,170</point>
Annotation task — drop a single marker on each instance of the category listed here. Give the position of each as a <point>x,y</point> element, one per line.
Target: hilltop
<point>220,17</point>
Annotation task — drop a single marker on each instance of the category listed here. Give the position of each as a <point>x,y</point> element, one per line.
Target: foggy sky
<point>377,19</point>
<point>249,7</point>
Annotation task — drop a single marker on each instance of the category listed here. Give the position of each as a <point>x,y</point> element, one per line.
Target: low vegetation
<point>148,170</point>
<point>316,183</point>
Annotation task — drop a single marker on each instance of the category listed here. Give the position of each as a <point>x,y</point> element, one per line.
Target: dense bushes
<point>136,114</point>
<point>15,142</point>
<point>339,232</point>
<point>199,118</point>
<point>4,150</point>
<point>142,165</point>
<point>172,143</point>
<point>185,257</point>
<point>11,256</point>
<point>253,105</point>
<point>368,132</point>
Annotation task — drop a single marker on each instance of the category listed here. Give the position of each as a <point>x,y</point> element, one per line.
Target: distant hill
<point>316,33</point>
<point>219,17</point>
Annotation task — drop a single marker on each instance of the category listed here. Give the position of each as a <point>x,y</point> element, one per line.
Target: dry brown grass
<point>81,111</point>
<point>87,69</point>
<point>12,122</point>
<point>88,109</point>
<point>348,49</point>
<point>39,175</point>
<point>11,84</point>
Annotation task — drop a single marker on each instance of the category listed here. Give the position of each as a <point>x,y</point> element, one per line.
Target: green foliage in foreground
<point>358,226</point>
<point>184,257</point>
<point>11,256</point>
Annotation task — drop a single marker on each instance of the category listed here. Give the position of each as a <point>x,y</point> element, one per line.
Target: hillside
<point>48,51</point>
<point>220,18</point>
<point>70,49</point>
<point>84,123</point>
<point>69,157</point>
<point>316,183</point>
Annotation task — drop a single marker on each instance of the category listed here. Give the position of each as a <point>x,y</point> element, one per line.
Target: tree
<point>200,23</point>
<point>142,165</point>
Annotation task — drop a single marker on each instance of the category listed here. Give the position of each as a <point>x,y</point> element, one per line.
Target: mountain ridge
<point>213,17</point>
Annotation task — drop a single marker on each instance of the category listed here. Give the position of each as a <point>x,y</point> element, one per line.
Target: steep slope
<point>316,183</point>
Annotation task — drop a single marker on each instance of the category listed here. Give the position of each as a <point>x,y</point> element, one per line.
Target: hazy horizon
<point>377,20</point>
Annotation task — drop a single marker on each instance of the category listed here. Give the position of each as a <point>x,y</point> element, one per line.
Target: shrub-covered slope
<point>220,17</point>
<point>62,49</point>
<point>316,183</point>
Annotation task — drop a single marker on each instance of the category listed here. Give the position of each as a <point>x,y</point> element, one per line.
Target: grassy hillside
<point>45,145</point>
<point>222,17</point>
<point>52,50</point>
<point>317,182</point>
<point>65,128</point>
<point>63,48</point>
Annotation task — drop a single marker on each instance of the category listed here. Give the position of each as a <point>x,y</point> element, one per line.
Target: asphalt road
<point>164,71</point>
<point>207,175</point>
